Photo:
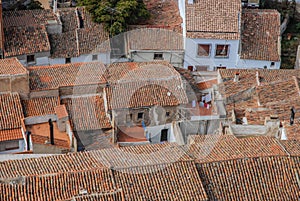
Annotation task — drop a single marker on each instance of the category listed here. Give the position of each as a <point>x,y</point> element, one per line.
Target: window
<point>167,114</point>
<point>68,60</point>
<point>272,64</point>
<point>158,56</point>
<point>202,68</point>
<point>222,51</point>
<point>94,57</point>
<point>140,115</point>
<point>203,50</point>
<point>164,135</point>
<point>30,58</point>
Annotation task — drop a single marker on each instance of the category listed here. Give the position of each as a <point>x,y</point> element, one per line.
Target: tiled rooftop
<point>25,40</point>
<point>113,195</point>
<point>271,178</point>
<point>53,77</point>
<point>209,148</point>
<point>157,39</point>
<point>21,18</point>
<point>11,134</point>
<point>260,34</point>
<point>260,93</point>
<point>87,113</point>
<point>58,186</point>
<point>64,45</point>
<point>11,66</point>
<point>164,14</point>
<point>10,111</point>
<point>157,172</point>
<point>144,84</point>
<point>175,181</point>
<point>40,133</point>
<point>217,19</point>
<point>40,106</point>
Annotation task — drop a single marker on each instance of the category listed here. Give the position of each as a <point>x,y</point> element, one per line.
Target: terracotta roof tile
<point>275,94</point>
<point>209,148</point>
<point>262,178</point>
<point>175,181</point>
<point>217,19</point>
<point>93,40</point>
<point>40,106</point>
<point>58,186</point>
<point>87,113</point>
<point>144,84</point>
<point>144,155</point>
<point>10,111</point>
<point>53,77</point>
<point>163,14</point>
<point>157,39</point>
<point>11,134</point>
<point>114,195</point>
<point>69,19</point>
<point>28,17</point>
<point>292,145</point>
<point>61,111</point>
<point>11,66</point>
<point>261,32</point>
<point>64,45</point>
<point>25,40</point>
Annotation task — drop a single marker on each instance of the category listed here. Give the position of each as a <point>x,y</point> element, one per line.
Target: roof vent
<point>236,77</point>
<point>83,191</point>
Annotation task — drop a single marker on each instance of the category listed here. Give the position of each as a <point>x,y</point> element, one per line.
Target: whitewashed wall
<point>192,58</point>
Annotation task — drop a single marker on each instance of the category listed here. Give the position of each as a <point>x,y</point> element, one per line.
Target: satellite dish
<point>169,93</point>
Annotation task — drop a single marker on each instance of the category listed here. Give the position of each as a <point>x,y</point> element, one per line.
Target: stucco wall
<point>174,57</point>
<point>192,58</point>
<point>245,63</point>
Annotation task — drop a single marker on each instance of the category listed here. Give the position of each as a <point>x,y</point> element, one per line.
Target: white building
<point>221,36</point>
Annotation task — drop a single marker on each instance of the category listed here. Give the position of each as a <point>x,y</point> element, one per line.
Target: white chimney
<point>190,1</point>
<point>236,77</point>
<point>54,6</point>
<point>257,79</point>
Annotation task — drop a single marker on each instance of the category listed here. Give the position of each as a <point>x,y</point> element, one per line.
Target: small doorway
<point>164,135</point>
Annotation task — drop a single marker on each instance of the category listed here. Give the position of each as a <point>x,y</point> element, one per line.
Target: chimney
<point>293,111</point>
<point>28,140</point>
<point>190,1</point>
<point>51,132</point>
<point>257,79</point>
<point>236,77</point>
<point>54,6</point>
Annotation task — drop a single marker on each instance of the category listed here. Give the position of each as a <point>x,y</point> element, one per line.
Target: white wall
<point>21,148</point>
<point>155,133</point>
<point>103,57</point>
<point>192,59</point>
<point>174,57</point>
<point>245,63</point>
<point>42,61</point>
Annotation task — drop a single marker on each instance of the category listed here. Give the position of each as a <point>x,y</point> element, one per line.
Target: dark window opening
<point>222,51</point>
<point>140,115</point>
<point>68,60</point>
<point>272,64</point>
<point>30,59</point>
<point>158,56</point>
<point>203,50</point>
<point>94,57</point>
<point>164,135</point>
<point>167,114</point>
